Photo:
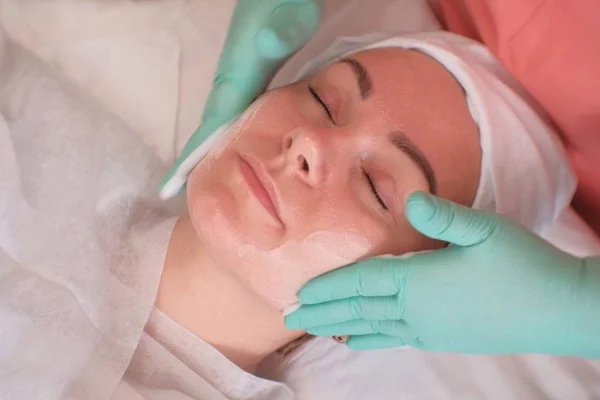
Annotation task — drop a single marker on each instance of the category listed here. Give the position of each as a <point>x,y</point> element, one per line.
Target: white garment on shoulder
<point>324,369</point>
<point>171,363</point>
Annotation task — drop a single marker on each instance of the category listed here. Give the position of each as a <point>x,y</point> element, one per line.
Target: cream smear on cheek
<point>231,134</point>
<point>276,275</point>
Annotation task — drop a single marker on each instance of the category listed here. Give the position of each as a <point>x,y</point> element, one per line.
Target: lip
<point>261,184</point>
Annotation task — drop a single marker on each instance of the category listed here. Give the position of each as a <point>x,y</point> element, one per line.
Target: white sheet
<point>150,63</point>
<point>325,369</point>
<point>82,240</point>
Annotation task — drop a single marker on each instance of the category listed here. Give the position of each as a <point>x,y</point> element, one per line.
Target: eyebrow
<point>398,139</point>
<point>404,144</point>
<point>365,84</point>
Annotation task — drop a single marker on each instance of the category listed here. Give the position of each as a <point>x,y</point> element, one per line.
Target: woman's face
<point>318,172</point>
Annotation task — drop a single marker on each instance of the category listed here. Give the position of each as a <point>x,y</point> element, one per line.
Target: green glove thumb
<point>443,220</point>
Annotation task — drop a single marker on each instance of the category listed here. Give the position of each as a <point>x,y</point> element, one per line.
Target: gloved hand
<point>496,289</point>
<point>262,35</point>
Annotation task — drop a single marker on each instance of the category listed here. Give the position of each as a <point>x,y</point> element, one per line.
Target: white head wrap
<point>525,173</point>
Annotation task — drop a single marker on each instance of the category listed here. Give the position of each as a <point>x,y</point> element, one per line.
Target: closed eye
<point>316,96</point>
<point>374,191</point>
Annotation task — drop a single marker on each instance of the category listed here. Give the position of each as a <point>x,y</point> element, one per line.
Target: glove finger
<point>360,327</point>
<point>444,220</point>
<point>373,342</point>
<point>289,27</point>
<point>334,312</point>
<point>373,277</point>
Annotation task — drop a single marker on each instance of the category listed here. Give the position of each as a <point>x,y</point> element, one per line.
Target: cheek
<point>331,234</point>
<point>273,114</point>
<point>211,206</point>
<point>327,251</point>
<point>277,275</point>
<point>331,237</point>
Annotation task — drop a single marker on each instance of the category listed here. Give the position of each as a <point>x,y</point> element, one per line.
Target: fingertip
<point>306,299</point>
<point>420,207</point>
<point>373,342</point>
<point>290,309</point>
<point>445,220</point>
<point>357,343</point>
<point>316,332</point>
<point>270,45</point>
<point>308,295</point>
<point>418,196</point>
<point>292,322</point>
<point>289,27</point>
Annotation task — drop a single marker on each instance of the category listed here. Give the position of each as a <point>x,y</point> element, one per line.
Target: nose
<point>305,153</point>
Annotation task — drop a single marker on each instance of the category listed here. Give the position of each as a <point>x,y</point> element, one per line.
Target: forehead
<point>396,72</point>
<point>408,87</point>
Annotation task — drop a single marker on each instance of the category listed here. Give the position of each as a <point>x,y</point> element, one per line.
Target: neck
<point>209,302</point>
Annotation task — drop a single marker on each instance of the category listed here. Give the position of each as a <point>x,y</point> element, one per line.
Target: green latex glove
<point>262,35</point>
<point>496,289</point>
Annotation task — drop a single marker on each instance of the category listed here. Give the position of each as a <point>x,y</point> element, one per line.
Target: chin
<point>224,229</point>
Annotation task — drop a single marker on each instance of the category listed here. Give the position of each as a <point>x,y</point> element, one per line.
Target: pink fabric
<point>552,47</point>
